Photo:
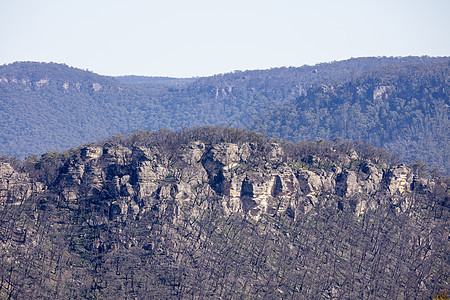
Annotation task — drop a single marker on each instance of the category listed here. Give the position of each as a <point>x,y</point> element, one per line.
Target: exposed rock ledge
<point>127,182</point>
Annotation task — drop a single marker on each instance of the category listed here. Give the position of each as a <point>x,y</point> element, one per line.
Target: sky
<point>187,38</point>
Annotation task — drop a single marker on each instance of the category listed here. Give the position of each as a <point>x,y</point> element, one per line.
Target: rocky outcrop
<point>16,187</point>
<point>128,182</point>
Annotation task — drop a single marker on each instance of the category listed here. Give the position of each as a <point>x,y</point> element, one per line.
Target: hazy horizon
<point>199,38</point>
<point>208,75</point>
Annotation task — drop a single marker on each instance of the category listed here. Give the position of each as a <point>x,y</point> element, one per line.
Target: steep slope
<point>221,213</point>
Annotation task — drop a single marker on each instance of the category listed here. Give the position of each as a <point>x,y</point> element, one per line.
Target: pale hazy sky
<point>206,37</point>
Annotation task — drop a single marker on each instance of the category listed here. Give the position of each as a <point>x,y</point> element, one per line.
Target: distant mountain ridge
<point>400,108</point>
<point>47,106</point>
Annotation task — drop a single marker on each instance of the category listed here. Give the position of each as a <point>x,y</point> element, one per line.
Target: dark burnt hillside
<point>215,212</point>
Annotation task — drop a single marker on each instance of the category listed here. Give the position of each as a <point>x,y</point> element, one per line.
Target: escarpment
<point>245,181</point>
<point>221,219</point>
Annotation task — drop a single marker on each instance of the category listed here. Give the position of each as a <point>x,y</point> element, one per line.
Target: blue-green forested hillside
<point>400,104</point>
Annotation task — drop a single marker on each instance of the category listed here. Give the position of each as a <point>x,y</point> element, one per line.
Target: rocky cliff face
<point>138,221</point>
<point>16,187</point>
<point>131,181</point>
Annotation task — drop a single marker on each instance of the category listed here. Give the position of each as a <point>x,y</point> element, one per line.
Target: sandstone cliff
<point>244,180</point>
